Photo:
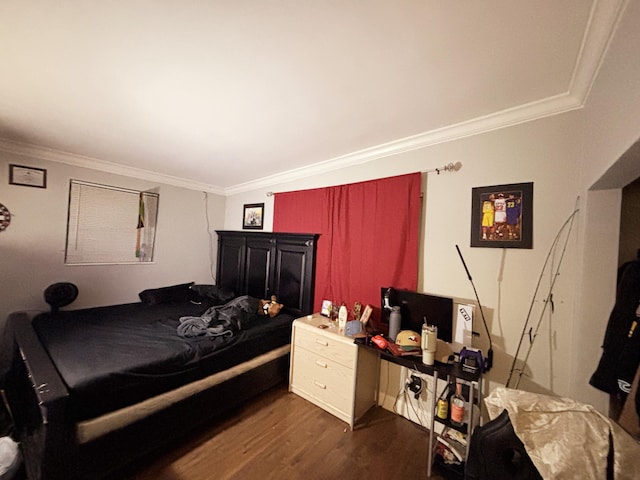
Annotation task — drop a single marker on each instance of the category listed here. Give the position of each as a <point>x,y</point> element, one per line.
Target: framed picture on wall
<point>253,216</point>
<point>27,176</point>
<point>502,216</point>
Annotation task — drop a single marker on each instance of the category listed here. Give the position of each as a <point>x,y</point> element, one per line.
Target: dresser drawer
<point>329,346</point>
<point>323,379</point>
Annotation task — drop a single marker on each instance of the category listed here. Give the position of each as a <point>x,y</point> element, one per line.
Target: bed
<point>93,390</point>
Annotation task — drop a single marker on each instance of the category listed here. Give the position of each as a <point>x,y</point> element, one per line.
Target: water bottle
<point>395,319</point>
<point>428,341</point>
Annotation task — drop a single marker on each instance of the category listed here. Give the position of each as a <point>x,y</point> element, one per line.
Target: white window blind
<point>109,224</point>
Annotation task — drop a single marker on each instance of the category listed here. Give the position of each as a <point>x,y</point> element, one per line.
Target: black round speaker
<point>60,294</point>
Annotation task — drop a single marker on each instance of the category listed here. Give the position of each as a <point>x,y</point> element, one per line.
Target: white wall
<point>564,156</point>
<point>32,247</point>
<point>608,126</point>
<point>505,278</point>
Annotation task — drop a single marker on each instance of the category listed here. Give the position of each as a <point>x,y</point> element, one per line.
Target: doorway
<point>629,249</point>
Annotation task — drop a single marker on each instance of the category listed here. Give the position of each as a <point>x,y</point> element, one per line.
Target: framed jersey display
<point>502,216</point>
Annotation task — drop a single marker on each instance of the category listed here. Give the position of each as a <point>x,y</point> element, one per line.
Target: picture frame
<point>326,308</point>
<point>507,223</point>
<point>27,176</point>
<point>253,216</point>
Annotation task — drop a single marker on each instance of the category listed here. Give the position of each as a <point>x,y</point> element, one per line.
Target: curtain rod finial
<point>269,194</point>
<point>451,167</point>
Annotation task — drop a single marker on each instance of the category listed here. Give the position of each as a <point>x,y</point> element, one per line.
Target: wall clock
<point>5,217</point>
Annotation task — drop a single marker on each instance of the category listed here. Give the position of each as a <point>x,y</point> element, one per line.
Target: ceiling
<point>219,95</point>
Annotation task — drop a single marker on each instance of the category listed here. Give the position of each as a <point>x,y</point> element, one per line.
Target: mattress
<point>113,357</point>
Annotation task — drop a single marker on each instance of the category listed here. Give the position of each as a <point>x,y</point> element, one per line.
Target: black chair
<point>496,453</point>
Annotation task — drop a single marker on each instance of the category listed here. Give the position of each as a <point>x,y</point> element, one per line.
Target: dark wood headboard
<point>262,264</point>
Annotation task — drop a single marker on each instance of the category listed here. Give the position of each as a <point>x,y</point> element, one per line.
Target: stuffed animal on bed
<point>270,307</point>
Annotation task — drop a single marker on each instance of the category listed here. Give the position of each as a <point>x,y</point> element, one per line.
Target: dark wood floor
<point>282,436</point>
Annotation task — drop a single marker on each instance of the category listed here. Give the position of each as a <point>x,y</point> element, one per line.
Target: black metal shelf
<point>444,371</point>
<point>447,423</point>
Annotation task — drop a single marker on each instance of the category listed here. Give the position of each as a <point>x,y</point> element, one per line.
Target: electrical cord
<point>409,401</point>
<point>398,396</point>
<point>418,417</point>
<point>402,393</point>
<point>413,402</point>
<point>206,213</point>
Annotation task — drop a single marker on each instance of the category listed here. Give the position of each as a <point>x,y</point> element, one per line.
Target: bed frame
<point>51,447</point>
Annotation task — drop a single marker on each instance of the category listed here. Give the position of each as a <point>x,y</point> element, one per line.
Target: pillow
<point>173,293</point>
<point>214,292</point>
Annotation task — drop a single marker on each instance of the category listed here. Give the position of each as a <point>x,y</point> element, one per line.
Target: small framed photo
<point>253,216</point>
<point>326,308</point>
<point>502,216</point>
<point>27,176</point>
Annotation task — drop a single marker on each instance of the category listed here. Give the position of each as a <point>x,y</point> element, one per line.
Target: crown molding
<point>51,155</point>
<point>495,121</point>
<point>603,21</point>
<point>602,24</point>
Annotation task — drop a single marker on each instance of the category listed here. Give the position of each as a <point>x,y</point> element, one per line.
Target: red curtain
<point>369,233</point>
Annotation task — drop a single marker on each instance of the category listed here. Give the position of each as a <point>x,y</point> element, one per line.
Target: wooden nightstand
<point>329,370</point>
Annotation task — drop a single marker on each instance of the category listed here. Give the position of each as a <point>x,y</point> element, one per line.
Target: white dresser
<point>329,370</point>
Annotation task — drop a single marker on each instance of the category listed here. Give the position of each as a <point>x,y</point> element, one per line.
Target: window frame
<point>89,241</point>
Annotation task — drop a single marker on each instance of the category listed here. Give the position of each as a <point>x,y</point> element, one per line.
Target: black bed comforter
<point>112,357</point>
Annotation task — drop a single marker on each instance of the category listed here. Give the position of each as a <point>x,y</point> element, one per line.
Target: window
<point>110,224</point>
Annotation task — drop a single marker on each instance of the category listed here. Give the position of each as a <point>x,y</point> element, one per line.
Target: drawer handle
<point>321,364</point>
<point>322,342</point>
<point>321,385</point>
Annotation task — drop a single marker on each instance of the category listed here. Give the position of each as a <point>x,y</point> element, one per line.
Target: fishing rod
<point>548,298</point>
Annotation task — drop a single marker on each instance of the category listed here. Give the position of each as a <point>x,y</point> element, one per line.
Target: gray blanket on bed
<point>220,320</point>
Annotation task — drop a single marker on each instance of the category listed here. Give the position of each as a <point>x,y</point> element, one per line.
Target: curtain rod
<point>449,167</point>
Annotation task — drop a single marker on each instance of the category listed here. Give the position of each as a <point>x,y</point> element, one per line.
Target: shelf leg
<point>432,403</point>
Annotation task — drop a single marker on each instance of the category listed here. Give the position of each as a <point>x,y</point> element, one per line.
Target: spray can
<point>442,409</point>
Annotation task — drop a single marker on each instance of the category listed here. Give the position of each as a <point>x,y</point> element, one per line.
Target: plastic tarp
<point>566,439</point>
